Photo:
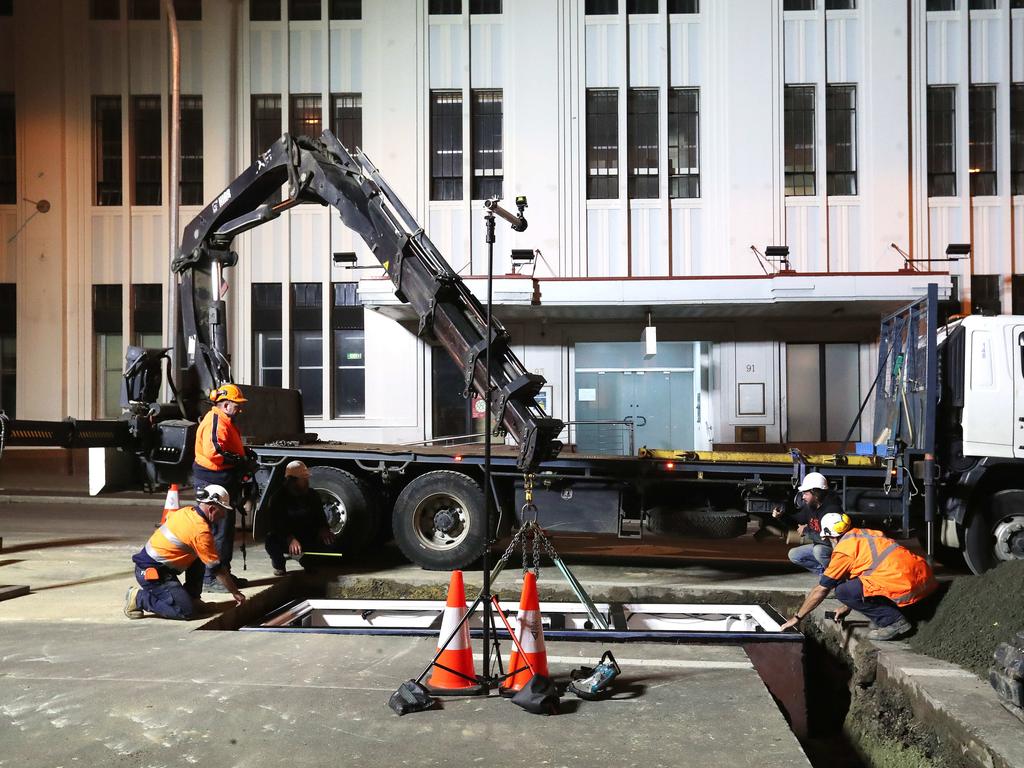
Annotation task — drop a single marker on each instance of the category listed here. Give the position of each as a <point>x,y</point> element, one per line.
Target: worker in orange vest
<point>220,459</point>
<point>871,574</point>
<point>182,544</point>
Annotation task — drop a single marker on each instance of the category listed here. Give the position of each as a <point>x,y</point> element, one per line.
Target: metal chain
<point>537,536</point>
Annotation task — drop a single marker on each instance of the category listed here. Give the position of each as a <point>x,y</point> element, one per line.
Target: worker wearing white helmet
<point>816,500</point>
<point>297,520</point>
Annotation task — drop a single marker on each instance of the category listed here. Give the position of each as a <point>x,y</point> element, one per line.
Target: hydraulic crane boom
<point>323,171</point>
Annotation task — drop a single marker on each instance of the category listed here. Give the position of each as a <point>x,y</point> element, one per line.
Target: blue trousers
<point>881,610</point>
<point>224,529</point>
<point>813,557</point>
<point>167,597</point>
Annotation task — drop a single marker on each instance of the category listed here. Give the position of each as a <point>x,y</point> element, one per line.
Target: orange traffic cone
<point>171,503</point>
<point>531,639</point>
<point>453,671</point>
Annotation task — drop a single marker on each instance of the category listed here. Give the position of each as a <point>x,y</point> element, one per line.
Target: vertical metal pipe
<point>486,564</point>
<point>173,195</point>
<point>929,504</point>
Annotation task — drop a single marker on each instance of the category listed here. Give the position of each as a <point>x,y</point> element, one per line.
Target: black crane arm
<point>323,171</point>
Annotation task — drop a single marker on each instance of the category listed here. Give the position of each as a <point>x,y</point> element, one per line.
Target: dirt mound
<point>973,617</point>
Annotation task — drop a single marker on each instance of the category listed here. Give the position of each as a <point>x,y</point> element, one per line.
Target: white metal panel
<point>487,47</point>
<point>1017,48</point>
<point>504,241</point>
<point>191,38</point>
<point>266,60</point>
<point>446,58</point>
<point>649,252</point>
<point>843,49</point>
<point>265,252</point>
<point>988,399</point>
<point>986,49</point>
<point>446,226</point>
<point>309,250</point>
<point>606,243</point>
<point>347,60</point>
<point>686,54</point>
<point>107,246</point>
<point>393,354</point>
<point>802,44</point>
<point>149,246</point>
<point>944,227</point>
<point>804,236</point>
<point>306,51</point>
<point>991,255</point>
<point>844,242</point>
<point>944,51</point>
<point>646,54</point>
<point>146,70</point>
<point>688,253</point>
<point>605,57</point>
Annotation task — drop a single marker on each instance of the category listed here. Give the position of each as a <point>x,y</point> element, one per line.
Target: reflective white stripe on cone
<point>171,503</point>
<point>458,655</point>
<point>531,638</point>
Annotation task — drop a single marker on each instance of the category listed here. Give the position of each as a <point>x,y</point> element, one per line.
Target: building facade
<point>662,144</point>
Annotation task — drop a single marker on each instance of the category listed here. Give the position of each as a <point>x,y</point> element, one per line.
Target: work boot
<point>131,604</point>
<point>894,631</point>
<point>280,571</point>
<point>214,586</point>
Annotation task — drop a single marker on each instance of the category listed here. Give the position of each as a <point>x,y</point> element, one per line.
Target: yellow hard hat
<point>229,392</point>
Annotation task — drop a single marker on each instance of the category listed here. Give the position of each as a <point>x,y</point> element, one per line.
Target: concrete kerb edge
<point>107,501</point>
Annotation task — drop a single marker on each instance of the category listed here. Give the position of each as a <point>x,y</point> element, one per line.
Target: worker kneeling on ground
<point>817,500</point>
<point>872,575</point>
<point>183,544</point>
<point>297,521</point>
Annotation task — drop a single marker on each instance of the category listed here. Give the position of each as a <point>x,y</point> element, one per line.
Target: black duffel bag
<point>411,697</point>
<point>538,696</point>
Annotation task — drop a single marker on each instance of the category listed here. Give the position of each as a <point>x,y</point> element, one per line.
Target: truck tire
<point>702,523</point>
<point>438,521</point>
<point>349,507</point>
<point>995,531</point>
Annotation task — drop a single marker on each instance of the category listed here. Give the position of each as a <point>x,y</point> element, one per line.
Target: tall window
<point>347,119</point>
<point>304,10</point>
<point>147,168</point>
<point>683,147</point>
<point>485,124</point>
<point>144,10</point>
<point>308,346</point>
<point>147,315</point>
<point>305,115</point>
<point>266,334</point>
<point>107,362</point>
<point>348,352</point>
<point>941,140</point>
<point>8,350</point>
<point>444,7</point>
<point>8,151</point>
<point>799,130</point>
<point>601,7</point>
<point>1017,138</point>
<point>602,144</point>
<point>266,122</point>
<point>445,145</point>
<point>841,139</point>
<point>981,101</point>
<point>642,135</point>
<point>264,10</point>
<point>105,10</point>
<point>191,181</point>
<point>106,115</point>
<point>345,10</point>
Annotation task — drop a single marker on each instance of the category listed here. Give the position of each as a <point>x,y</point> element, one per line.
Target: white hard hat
<point>812,481</point>
<point>835,524</point>
<point>214,494</point>
<point>296,469</point>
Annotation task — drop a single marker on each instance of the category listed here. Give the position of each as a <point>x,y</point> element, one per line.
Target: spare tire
<point>702,523</point>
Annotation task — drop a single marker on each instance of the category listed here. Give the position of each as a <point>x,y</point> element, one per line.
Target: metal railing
<point>628,426</point>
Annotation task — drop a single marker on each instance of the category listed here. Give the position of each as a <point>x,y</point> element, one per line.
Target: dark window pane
<point>1017,137</point>
<point>188,10</point>
<point>306,116</point>
<point>264,10</point>
<point>146,150</point>
<point>602,144</point>
<point>641,6</point>
<point>144,10</point>
<point>478,7</point>
<point>941,5</point>
<point>986,296</point>
<point>106,308</point>
<point>345,10</point>
<point>8,151</point>
<point>266,306</point>
<point>799,136</point>
<point>8,348</point>
<point>1017,4</point>
<point>307,370</point>
<point>445,6</point>
<point>191,178</point>
<point>602,7</point>
<point>840,5</point>
<point>349,392</point>
<point>445,145</point>
<point>798,5</point>
<point>941,131</point>
<point>107,149</point>
<point>266,122</point>
<point>304,10</point>
<point>348,352</point>
<point>147,308</point>
<point>684,6</point>
<point>347,119</point>
<point>841,139</point>
<point>6,7</point>
<point>982,5</point>
<point>981,102</point>
<point>642,137</point>
<point>485,124</point>
<point>8,307</point>
<point>105,10</point>
<point>683,147</point>
<point>1017,292</point>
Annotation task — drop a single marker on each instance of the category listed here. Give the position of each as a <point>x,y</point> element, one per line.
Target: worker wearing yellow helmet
<point>871,574</point>
<point>220,460</point>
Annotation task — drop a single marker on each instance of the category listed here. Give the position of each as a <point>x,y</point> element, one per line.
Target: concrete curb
<point>106,501</point>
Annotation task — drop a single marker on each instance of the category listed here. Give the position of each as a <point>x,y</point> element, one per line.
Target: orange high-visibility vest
<point>215,437</point>
<point>185,536</point>
<point>884,567</point>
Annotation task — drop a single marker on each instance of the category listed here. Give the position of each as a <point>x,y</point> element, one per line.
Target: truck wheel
<point>439,521</point>
<point>995,532</point>
<point>348,506</point>
<point>704,523</point>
